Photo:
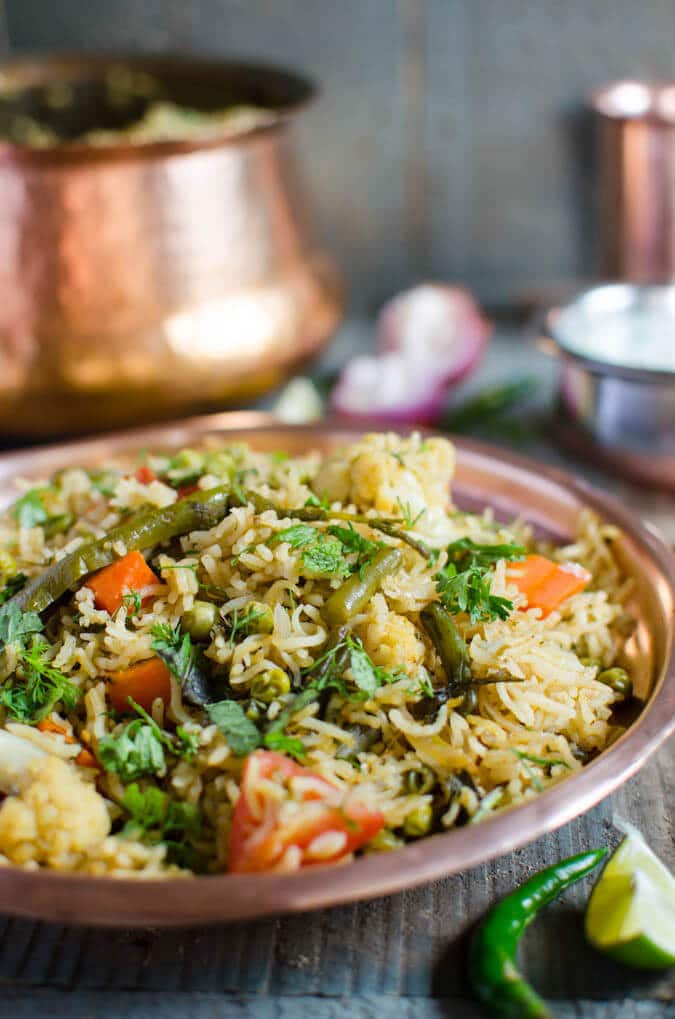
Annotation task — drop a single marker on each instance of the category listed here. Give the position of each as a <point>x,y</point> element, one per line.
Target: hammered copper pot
<point>141,281</point>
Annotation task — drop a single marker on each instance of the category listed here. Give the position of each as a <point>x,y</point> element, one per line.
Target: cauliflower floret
<point>392,474</point>
<point>54,820</point>
<point>391,640</point>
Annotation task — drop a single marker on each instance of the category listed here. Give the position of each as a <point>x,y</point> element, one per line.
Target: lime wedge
<point>631,912</point>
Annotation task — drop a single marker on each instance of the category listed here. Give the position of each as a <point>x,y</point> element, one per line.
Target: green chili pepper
<point>449,643</point>
<point>493,972</point>
<point>352,596</point>
<point>148,527</point>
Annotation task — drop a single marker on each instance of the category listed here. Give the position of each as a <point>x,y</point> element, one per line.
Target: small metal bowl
<point>618,413</point>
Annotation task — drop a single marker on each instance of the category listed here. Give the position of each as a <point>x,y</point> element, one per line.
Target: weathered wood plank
<point>107,1005</point>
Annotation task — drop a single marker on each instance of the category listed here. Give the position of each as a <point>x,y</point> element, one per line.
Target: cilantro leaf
<point>321,555</point>
<point>16,625</point>
<point>284,744</point>
<point>30,699</point>
<point>353,541</point>
<point>155,817</point>
<point>185,744</point>
<point>240,732</point>
<point>135,752</point>
<point>29,510</point>
<point>183,660</point>
<point>314,500</point>
<point>463,584</point>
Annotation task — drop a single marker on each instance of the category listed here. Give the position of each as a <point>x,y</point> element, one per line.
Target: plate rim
<point>221,898</point>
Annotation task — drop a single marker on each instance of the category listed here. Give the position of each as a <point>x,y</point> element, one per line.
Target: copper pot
<point>138,281</point>
<point>636,122</point>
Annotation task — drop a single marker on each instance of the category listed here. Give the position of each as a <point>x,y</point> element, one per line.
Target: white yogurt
<point>637,336</point>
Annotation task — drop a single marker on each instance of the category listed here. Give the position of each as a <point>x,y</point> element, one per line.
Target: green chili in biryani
<point>194,641</point>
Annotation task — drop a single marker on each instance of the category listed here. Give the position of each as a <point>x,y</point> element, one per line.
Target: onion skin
<point>427,340</point>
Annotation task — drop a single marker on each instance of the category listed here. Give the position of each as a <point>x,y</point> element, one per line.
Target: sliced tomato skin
<point>352,818</point>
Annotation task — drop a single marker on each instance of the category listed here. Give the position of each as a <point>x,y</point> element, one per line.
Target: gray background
<point>449,141</point>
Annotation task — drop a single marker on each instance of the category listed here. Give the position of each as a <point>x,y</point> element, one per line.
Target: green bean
<point>353,596</point>
<point>148,527</point>
<point>419,821</point>
<point>269,685</point>
<point>619,680</point>
<point>200,619</point>
<point>450,645</point>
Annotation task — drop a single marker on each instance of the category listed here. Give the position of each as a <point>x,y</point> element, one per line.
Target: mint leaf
<point>297,536</point>
<point>363,670</point>
<point>325,558</point>
<point>240,732</point>
<point>463,584</point>
<point>16,626</point>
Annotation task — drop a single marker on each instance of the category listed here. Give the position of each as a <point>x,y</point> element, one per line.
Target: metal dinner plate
<point>485,476</point>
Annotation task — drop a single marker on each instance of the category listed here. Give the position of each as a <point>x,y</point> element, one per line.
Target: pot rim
<point>630,99</point>
<point>69,66</point>
<point>551,344</point>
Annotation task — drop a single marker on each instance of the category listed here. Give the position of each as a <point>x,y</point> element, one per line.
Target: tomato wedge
<point>289,817</point>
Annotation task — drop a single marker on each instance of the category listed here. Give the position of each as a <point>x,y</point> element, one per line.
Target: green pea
<point>619,680</point>
<point>384,842</point>
<point>256,617</point>
<point>270,684</point>
<point>591,663</point>
<point>200,619</point>
<point>419,780</point>
<point>418,822</point>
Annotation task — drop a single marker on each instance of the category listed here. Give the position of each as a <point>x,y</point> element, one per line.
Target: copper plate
<point>551,500</point>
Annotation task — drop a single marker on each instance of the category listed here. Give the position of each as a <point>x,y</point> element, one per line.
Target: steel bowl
<point>551,501</point>
<point>144,281</point>
<point>621,415</point>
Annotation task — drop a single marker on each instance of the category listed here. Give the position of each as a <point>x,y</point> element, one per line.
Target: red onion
<point>427,339</point>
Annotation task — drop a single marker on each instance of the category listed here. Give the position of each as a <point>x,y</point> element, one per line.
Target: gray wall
<point>448,141</point>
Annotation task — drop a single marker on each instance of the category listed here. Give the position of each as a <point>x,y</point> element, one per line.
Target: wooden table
<point>392,958</point>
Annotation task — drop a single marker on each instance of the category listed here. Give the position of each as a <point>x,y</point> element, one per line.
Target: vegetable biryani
<point>227,659</point>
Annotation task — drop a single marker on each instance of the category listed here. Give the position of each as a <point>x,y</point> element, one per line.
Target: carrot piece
<point>546,584</point>
<point>46,725</point>
<point>186,490</point>
<point>530,572</point>
<point>86,759</point>
<point>566,580</point>
<point>145,475</point>
<point>112,582</point>
<point>144,681</point>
